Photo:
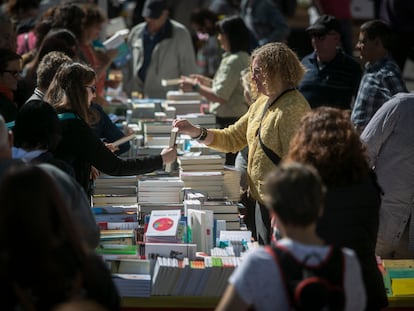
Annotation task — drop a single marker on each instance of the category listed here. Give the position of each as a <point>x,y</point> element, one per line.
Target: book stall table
<point>402,303</point>
<point>154,303</point>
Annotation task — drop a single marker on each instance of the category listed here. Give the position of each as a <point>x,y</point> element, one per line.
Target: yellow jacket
<point>278,126</point>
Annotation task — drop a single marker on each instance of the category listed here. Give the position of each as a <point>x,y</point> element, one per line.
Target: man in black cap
<point>332,77</point>
<point>161,49</point>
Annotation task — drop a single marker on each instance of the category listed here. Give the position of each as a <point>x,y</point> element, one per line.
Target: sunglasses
<point>92,88</point>
<point>14,73</point>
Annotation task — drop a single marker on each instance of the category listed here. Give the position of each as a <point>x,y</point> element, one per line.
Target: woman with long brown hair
<point>71,93</point>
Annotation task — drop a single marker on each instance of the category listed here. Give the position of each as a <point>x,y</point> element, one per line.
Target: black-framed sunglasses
<point>92,88</point>
<point>14,73</point>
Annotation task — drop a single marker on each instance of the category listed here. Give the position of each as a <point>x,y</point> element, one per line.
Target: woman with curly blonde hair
<point>327,140</point>
<point>266,128</point>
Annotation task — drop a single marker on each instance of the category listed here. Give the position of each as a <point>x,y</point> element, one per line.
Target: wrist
<point>196,87</point>
<point>199,134</point>
<point>203,134</point>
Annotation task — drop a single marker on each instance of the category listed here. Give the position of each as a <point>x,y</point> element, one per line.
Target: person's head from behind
<point>7,34</point>
<point>61,40</point>
<point>6,140</point>
<point>233,34</point>
<point>48,67</point>
<point>327,140</point>
<point>30,197</point>
<point>374,41</point>
<point>274,67</point>
<point>69,16</point>
<point>204,21</point>
<point>73,88</point>
<point>325,36</point>
<point>294,192</point>
<point>155,13</point>
<point>37,127</point>
<point>10,68</point>
<point>92,23</point>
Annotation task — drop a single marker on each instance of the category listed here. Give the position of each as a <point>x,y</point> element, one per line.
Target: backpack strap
<point>293,271</point>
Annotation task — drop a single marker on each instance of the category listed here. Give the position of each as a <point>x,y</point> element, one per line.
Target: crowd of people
<point>325,142</point>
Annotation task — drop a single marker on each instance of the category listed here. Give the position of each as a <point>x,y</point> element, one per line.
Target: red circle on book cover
<point>163,224</point>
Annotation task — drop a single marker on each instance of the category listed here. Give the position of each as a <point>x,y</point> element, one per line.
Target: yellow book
<point>402,287</point>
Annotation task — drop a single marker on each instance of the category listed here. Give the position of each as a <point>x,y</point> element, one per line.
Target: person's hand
<point>111,147</point>
<point>186,127</point>
<point>201,79</point>
<point>187,84</point>
<point>168,155</point>
<point>94,173</point>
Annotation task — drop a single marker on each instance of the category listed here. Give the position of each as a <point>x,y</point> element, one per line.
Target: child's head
<point>295,193</point>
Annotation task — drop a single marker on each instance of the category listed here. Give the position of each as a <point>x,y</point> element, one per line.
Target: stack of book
<point>232,183</point>
<point>398,276</point>
<point>157,133</point>
<point>132,277</point>
<point>184,102</point>
<point>115,190</point>
<point>202,119</point>
<point>116,217</point>
<point>205,277</point>
<point>204,173</point>
<point>159,190</point>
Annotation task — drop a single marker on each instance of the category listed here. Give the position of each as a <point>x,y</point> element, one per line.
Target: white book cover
<point>163,223</point>
<point>200,224</point>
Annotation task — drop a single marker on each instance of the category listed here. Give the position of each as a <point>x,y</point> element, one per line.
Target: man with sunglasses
<point>332,76</point>
<point>9,75</point>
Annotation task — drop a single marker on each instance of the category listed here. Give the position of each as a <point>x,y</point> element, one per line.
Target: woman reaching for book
<point>71,93</point>
<point>267,126</point>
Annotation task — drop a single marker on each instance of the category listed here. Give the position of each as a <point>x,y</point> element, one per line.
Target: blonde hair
<point>279,66</point>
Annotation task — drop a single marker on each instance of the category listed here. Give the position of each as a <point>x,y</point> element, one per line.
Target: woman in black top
<point>71,93</point>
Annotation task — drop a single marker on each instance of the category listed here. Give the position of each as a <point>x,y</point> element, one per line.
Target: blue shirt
<point>331,84</point>
<point>381,80</point>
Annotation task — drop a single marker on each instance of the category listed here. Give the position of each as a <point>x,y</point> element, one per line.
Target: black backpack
<point>312,287</point>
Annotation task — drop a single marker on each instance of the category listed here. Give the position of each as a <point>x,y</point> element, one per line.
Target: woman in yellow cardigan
<point>268,125</point>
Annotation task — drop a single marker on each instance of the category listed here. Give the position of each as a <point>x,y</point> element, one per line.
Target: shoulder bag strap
<point>269,152</point>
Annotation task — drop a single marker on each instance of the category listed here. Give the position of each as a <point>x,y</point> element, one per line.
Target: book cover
<point>163,223</point>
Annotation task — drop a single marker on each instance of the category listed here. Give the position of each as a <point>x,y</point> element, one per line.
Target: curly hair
<point>278,63</point>
<point>69,83</point>
<point>327,140</point>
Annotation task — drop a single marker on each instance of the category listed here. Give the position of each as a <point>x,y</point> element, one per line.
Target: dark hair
<point>327,140</point>
<point>48,67</point>
<point>70,81</point>
<point>93,15</point>
<point>67,16</point>
<point>61,40</point>
<point>37,126</point>
<point>236,32</point>
<point>295,193</point>
<point>7,56</point>
<point>378,29</point>
<point>199,17</point>
<point>15,7</point>
<point>30,197</point>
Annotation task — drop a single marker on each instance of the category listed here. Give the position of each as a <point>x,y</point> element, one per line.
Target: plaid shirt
<point>381,80</point>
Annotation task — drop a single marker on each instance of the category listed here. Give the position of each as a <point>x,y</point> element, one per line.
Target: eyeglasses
<point>320,36</point>
<point>92,88</point>
<point>14,73</point>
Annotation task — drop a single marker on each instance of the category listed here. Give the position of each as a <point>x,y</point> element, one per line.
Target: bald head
<point>6,140</point>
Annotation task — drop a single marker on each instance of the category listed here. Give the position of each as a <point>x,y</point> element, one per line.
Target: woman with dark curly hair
<point>326,139</point>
